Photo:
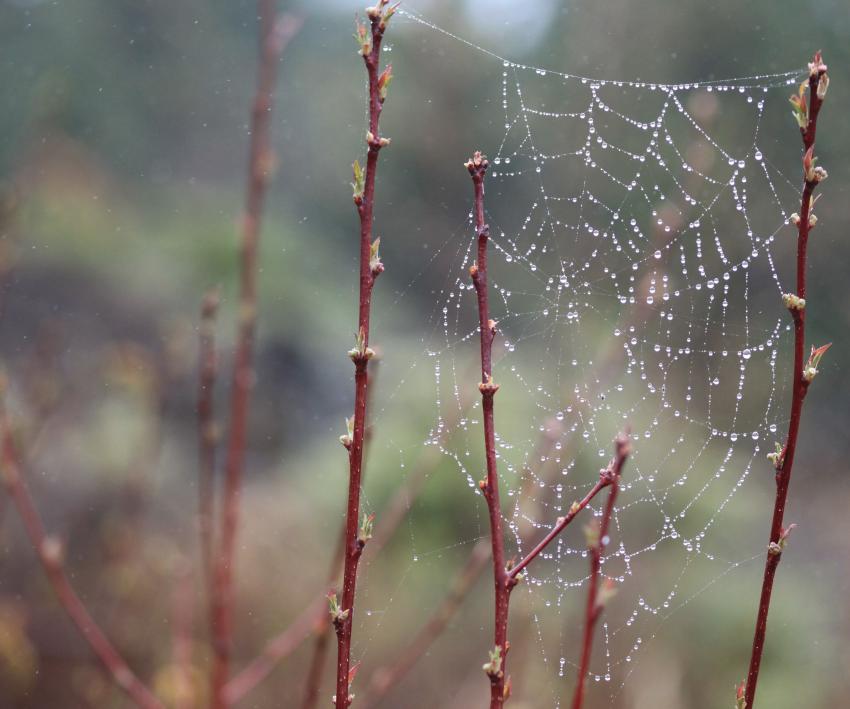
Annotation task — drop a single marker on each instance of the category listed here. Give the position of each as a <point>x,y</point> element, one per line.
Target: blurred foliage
<point>124,135</point>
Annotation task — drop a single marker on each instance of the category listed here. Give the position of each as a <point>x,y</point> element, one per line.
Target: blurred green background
<point>123,142</point>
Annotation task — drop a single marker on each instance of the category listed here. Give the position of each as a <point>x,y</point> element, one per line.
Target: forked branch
<point>50,553</point>
<point>597,539</point>
<point>807,104</point>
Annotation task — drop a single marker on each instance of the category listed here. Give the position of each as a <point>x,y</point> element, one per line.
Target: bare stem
<point>49,550</point>
<point>370,39</point>
<point>803,371</point>
<point>274,35</point>
<point>598,538</point>
<point>495,669</point>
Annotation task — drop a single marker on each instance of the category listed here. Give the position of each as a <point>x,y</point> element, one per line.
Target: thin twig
<point>207,430</point>
<point>370,38</point>
<point>321,642</point>
<point>561,524</point>
<point>50,553</point>
<point>804,372</point>
<point>275,33</point>
<point>495,668</point>
<point>597,539</point>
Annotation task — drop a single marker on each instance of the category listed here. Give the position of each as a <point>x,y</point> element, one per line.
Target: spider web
<point>634,278</point>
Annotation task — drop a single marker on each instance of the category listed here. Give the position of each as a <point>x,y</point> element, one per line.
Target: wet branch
<point>806,109</point>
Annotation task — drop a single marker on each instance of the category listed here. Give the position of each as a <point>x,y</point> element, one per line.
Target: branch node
<point>489,387</point>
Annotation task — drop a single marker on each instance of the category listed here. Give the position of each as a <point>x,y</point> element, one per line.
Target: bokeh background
<point>123,139</point>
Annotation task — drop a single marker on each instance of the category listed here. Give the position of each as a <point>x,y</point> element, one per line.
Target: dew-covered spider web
<point>640,244</point>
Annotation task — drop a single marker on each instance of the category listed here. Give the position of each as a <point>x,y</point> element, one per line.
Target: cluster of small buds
<point>360,352</point>
<point>776,456</point>
<point>813,173</point>
<point>493,668</point>
<point>381,13</point>
<point>374,142</point>
<point>376,266</point>
<point>793,301</point>
<point>477,163</point>
<point>338,616</point>
<point>488,387</point>
<point>347,438</point>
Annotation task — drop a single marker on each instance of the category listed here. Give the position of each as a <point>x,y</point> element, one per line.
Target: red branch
<point>597,539</point>
<point>495,669</point>
<point>275,33</point>
<point>49,551</point>
<point>784,461</point>
<point>604,481</point>
<point>370,268</point>
<point>207,429</point>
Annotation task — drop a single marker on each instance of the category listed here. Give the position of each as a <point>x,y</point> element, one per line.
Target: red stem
<point>603,482</point>
<point>595,602</point>
<point>360,356</point>
<point>49,552</point>
<point>503,584</point>
<point>800,387</point>
<point>274,35</point>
